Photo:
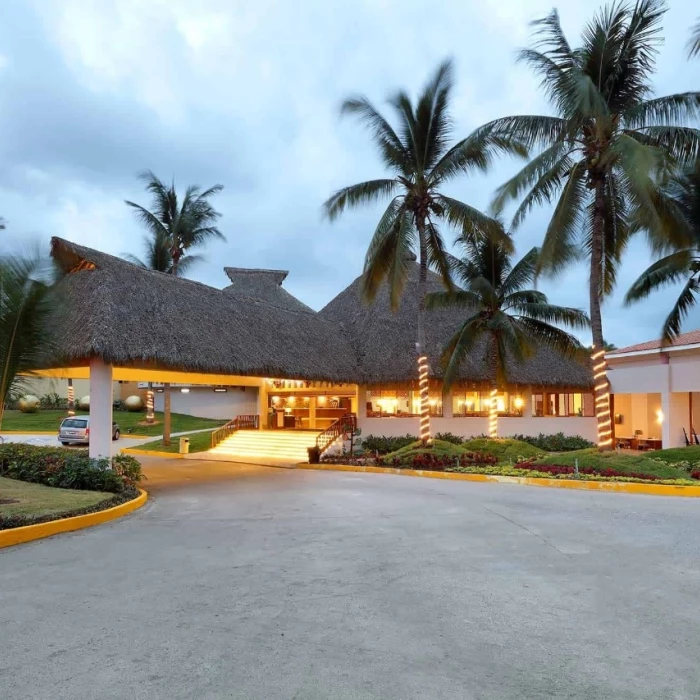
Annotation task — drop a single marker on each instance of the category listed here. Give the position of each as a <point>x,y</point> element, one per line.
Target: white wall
<point>39,386</point>
<point>206,403</point>
<point>467,427</point>
<point>638,378</point>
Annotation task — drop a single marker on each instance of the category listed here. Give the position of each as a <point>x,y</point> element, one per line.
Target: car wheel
<point>65,444</point>
<point>116,435</point>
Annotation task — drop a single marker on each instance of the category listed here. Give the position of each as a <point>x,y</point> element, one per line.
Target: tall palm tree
<point>420,162</point>
<point>159,257</point>
<point>603,155</point>
<point>683,264</point>
<point>25,306</point>
<point>694,43</point>
<point>180,225</point>
<point>502,311</point>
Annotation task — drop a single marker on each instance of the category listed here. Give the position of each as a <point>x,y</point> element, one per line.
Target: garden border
<point>150,453</point>
<point>611,486</point>
<point>28,533</point>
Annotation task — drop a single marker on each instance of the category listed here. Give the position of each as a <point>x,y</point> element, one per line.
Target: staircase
<point>267,447</point>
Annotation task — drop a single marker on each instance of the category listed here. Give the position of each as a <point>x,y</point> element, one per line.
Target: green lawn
<point>678,454</point>
<point>50,420</point>
<point>506,449</point>
<point>625,463</point>
<point>36,500</point>
<point>199,442</point>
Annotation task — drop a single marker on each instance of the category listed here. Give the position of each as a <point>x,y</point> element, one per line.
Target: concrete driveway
<point>277,584</point>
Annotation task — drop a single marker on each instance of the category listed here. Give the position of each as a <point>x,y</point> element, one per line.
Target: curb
<point>27,533</point>
<point>31,432</point>
<point>610,486</point>
<point>150,453</point>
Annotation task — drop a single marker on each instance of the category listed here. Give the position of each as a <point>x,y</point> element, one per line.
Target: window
<point>477,403</point>
<point>386,403</point>
<point>74,423</point>
<point>563,405</point>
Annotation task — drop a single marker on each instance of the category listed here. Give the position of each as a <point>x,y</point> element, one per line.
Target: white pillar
<point>262,405</point>
<point>676,413</point>
<point>100,408</point>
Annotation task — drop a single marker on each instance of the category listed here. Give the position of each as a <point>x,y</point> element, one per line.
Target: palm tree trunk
<point>423,381</point>
<point>166,414</point>
<point>493,399</point>
<point>602,386</point>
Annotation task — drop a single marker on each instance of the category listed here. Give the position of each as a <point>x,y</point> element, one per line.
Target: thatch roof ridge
<point>384,341</point>
<point>276,276</point>
<point>133,316</point>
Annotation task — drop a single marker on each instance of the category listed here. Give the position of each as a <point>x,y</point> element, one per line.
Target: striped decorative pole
<point>493,414</point>
<point>150,416</point>
<point>602,398</point>
<point>424,398</point>
<point>71,398</point>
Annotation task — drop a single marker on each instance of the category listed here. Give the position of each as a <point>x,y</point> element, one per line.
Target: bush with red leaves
<point>557,469</point>
<point>695,474</point>
<point>438,463</point>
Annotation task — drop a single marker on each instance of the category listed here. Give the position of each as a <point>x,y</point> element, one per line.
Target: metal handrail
<point>344,424</point>
<point>245,422</point>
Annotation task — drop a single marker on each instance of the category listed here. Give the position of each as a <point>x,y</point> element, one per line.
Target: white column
<point>100,408</point>
<point>262,405</point>
<point>447,405</point>
<point>676,413</point>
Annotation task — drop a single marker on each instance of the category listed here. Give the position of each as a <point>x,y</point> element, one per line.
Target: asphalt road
<point>279,584</point>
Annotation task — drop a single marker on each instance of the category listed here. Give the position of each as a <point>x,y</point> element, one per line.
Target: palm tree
<point>175,226</point>
<point>420,161</point>
<point>512,319</point>
<point>694,43</point>
<point>683,264</point>
<point>179,225</point>
<point>25,306</point>
<point>603,156</point>
<point>158,256</point>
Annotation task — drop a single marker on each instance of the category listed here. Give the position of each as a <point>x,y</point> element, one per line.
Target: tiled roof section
<point>690,338</point>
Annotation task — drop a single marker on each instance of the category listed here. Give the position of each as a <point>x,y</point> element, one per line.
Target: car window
<point>74,423</point>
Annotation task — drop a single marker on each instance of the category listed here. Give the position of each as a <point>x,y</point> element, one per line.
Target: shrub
<point>437,461</point>
<point>506,449</point>
<point>555,443</point>
<point>559,469</point>
<point>68,469</point>
<point>449,437</point>
<point>383,445</point>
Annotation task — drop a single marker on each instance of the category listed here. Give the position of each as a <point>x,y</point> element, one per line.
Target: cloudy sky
<point>246,94</point>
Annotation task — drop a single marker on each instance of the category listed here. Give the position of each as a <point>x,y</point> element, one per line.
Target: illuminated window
<point>387,403</point>
<point>563,405</point>
<point>477,403</point>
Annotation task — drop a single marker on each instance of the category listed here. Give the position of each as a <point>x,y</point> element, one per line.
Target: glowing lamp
<point>659,416</point>
<point>519,402</point>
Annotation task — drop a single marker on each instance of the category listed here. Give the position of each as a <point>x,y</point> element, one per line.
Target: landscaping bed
<point>199,442</point>
<point>45,483</point>
<point>509,457</point>
<point>49,420</point>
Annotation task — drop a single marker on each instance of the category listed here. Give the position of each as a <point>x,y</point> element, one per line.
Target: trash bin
<point>184,446</point>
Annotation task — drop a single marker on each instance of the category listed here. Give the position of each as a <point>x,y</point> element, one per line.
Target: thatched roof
<point>384,342</point>
<point>263,285</point>
<point>131,316</point>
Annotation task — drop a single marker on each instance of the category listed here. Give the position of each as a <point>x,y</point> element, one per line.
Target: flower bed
<point>438,462</point>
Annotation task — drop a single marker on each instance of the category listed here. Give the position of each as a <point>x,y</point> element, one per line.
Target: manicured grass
<point>199,442</point>
<point>50,420</point>
<point>38,501</point>
<point>506,449</point>
<point>677,454</point>
<point>624,463</point>
<point>437,447</point>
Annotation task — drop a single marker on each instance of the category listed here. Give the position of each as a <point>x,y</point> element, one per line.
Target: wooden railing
<point>247,422</point>
<point>346,424</point>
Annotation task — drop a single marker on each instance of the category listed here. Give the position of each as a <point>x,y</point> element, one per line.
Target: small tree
<point>25,306</point>
<point>511,319</point>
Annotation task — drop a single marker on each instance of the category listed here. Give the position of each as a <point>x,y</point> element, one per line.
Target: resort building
<point>253,349</point>
<point>655,392</point>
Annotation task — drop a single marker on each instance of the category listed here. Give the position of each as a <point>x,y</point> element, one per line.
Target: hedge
<point>68,469</point>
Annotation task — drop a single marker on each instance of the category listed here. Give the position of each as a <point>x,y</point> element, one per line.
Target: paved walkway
<point>247,582</point>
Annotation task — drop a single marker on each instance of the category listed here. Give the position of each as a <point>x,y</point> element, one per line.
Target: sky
<point>247,94</point>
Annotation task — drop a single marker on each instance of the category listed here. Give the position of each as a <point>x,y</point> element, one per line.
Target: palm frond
<point>530,131</point>
<point>522,273</point>
<point>545,335</point>
<point>433,122</point>
<point>559,247</point>
<point>459,347</point>
<point>553,314</point>
<point>667,270</point>
<point>680,109</point>
<point>682,143</point>
<point>687,299</point>
<point>356,195</point>
<point>694,42</point>
<point>390,146</point>
<point>472,224</point>
<point>460,298</point>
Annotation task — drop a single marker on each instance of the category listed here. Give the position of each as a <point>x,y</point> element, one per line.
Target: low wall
<point>466,427</point>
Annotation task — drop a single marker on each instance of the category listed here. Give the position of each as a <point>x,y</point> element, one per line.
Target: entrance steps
<point>266,447</point>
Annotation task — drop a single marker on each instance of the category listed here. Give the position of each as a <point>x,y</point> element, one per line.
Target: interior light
<point>659,416</point>
<point>184,390</point>
<point>519,402</point>
<point>220,390</point>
